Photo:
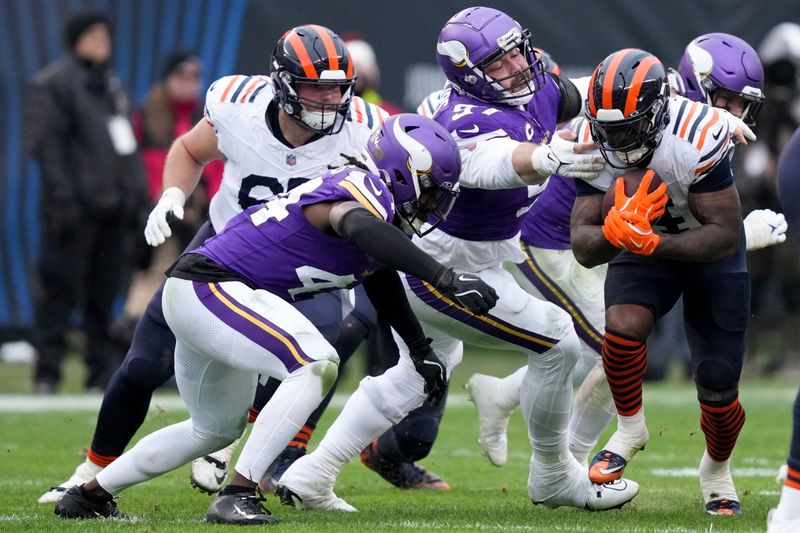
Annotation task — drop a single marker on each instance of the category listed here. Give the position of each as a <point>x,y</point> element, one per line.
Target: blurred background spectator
<point>368,72</point>
<point>79,130</point>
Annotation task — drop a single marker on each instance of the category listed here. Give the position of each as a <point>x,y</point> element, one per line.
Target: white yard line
<point>24,403</point>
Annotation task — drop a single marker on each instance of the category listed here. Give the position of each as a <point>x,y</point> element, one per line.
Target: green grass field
<point>40,449</point>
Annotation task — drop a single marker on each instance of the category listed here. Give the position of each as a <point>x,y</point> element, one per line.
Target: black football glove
<point>467,290</point>
<point>433,371</point>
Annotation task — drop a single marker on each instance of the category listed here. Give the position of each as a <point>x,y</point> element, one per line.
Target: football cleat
<point>778,524</point>
<point>492,418</point>
<point>75,503</point>
<point>324,502</point>
<point>209,472</point>
<point>606,467</point>
<point>724,507</point>
<point>85,472</point>
<point>239,508</point>
<point>307,486</point>
<point>289,455</point>
<point>405,475</point>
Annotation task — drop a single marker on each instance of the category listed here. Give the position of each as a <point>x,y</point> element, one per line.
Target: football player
<point>731,79</point>
<point>501,107</point>
<point>274,133</point>
<point>785,518</point>
<point>658,251</point>
<point>234,321</point>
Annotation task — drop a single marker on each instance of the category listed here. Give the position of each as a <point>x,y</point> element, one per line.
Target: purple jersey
<point>493,215</point>
<point>272,246</point>
<point>547,223</point>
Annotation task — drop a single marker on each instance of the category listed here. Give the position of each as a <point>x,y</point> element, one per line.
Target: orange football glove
<point>650,205</point>
<point>631,232</point>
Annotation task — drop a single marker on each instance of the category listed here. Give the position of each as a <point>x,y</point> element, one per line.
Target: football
<point>632,180</point>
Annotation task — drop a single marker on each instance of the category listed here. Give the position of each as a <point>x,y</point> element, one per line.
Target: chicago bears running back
<point>683,239</point>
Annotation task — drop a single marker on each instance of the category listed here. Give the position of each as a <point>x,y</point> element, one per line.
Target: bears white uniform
<point>695,140</point>
<point>258,165</point>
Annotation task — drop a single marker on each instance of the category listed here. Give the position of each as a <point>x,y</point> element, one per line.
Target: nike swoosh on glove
<point>631,232</point>
<point>559,157</point>
<point>432,370</point>
<point>157,229</point>
<point>468,291</point>
<point>764,227</point>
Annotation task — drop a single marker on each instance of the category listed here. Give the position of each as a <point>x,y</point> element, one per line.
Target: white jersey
<point>695,140</point>
<point>259,166</point>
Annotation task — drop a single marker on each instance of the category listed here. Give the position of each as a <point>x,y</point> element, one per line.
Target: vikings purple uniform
<point>273,246</point>
<point>470,121</point>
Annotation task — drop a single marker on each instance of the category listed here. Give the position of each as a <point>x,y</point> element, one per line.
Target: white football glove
<point>559,157</point>
<point>740,131</point>
<point>764,227</point>
<point>157,229</point>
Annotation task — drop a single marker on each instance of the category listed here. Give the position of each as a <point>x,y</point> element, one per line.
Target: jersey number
<point>316,280</point>
<point>252,181</point>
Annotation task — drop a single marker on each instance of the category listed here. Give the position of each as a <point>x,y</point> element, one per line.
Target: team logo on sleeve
<point>291,160</point>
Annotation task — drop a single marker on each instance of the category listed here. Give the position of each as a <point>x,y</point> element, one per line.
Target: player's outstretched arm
<point>392,247</point>
<point>536,162</point>
<point>182,171</point>
<point>386,292</point>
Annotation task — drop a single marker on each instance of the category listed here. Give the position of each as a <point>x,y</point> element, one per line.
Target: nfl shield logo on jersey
<point>291,159</point>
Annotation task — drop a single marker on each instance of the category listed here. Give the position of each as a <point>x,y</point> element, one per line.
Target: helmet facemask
<point>626,142</point>
<point>325,118</point>
<point>430,208</point>
<point>527,80</point>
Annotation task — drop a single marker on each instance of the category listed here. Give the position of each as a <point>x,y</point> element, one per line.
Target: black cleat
<point>403,475</point>
<point>288,456</point>
<point>240,508</point>
<point>76,503</point>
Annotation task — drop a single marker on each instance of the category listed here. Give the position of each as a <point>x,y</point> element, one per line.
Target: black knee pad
<point>717,375</point>
<point>716,397</point>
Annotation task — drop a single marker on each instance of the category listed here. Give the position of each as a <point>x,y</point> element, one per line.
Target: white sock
<point>592,410</point>
<point>507,391</point>
<point>631,435</point>
<point>546,399</point>
<point>715,479</point>
<point>280,420</point>
<point>377,404</point>
<point>789,505</point>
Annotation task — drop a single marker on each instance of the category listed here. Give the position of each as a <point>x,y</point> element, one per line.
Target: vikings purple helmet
<point>478,36</point>
<point>419,161</point>
<point>716,61</point>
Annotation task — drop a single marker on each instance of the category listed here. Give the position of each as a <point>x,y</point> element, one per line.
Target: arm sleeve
<point>388,245</point>
<point>486,163</point>
<point>570,104</point>
<point>386,292</point>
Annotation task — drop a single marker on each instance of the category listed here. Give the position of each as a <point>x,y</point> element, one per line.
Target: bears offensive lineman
<point>692,246</point>
<point>274,133</point>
